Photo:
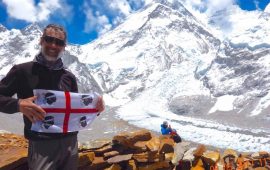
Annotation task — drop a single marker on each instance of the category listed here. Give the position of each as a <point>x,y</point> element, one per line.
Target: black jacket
<point>22,79</point>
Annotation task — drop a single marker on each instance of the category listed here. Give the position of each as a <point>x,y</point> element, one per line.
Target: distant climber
<point>165,128</point>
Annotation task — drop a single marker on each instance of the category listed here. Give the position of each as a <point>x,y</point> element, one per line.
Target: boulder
<point>188,156</point>
<point>119,158</point>
<point>129,139</point>
<point>99,163</point>
<point>114,167</point>
<point>158,165</point>
<point>93,145</point>
<point>179,151</point>
<point>148,157</point>
<point>86,159</point>
<point>132,165</point>
<point>110,154</point>
<point>211,157</point>
<point>153,144</point>
<point>230,153</point>
<point>13,152</point>
<point>166,145</point>
<point>199,151</point>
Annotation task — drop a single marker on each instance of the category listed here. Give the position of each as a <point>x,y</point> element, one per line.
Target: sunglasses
<point>49,40</point>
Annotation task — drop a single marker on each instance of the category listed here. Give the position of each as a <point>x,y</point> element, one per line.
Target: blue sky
<point>85,20</point>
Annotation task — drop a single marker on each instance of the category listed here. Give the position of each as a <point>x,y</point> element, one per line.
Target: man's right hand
<point>29,109</point>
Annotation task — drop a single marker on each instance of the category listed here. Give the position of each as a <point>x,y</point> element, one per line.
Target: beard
<point>51,58</point>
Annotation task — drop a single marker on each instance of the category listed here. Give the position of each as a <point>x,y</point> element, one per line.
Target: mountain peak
<point>174,4</point>
<point>2,28</point>
<point>32,29</point>
<point>177,6</point>
<point>267,9</point>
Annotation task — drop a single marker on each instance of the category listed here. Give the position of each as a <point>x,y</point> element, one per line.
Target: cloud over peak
<point>29,11</point>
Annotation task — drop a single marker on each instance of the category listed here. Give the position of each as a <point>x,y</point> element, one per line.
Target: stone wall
<point>139,150</point>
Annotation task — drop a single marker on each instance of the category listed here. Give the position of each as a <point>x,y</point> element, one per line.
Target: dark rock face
<point>186,105</point>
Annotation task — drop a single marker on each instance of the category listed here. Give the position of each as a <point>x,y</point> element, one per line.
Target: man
<point>46,150</point>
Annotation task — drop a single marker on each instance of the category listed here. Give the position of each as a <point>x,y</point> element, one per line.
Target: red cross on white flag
<point>65,111</point>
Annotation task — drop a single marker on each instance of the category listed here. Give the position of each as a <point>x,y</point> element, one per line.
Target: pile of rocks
<point>139,150</point>
<point>134,150</point>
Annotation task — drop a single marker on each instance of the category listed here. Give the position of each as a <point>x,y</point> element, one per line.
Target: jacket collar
<point>57,65</point>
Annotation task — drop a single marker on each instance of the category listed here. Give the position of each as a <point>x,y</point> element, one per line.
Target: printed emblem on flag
<point>48,121</point>
<point>65,111</point>
<point>46,98</point>
<point>83,121</point>
<point>86,99</point>
<point>50,98</point>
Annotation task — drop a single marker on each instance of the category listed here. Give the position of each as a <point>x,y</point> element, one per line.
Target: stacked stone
<point>139,150</point>
<point>134,150</point>
<point>199,158</point>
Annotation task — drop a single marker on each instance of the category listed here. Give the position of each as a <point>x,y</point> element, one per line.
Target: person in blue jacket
<point>165,128</point>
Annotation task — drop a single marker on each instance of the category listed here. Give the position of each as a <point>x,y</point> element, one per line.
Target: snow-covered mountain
<point>162,63</point>
<point>17,46</point>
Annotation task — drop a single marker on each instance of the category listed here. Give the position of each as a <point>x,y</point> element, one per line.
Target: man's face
<point>52,43</point>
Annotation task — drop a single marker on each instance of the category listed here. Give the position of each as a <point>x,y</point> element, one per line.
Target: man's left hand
<point>100,105</point>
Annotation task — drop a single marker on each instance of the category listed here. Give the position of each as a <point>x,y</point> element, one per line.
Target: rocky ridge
<point>139,150</point>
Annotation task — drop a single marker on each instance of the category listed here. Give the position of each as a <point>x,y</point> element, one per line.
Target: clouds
<point>216,12</point>
<point>95,21</point>
<point>102,15</point>
<point>15,10</point>
<point>210,6</point>
<point>28,11</point>
<point>88,19</point>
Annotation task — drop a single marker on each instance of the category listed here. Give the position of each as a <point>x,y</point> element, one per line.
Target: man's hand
<point>29,109</point>
<point>100,105</point>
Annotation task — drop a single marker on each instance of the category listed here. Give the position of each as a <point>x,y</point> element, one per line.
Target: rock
<point>229,158</point>
<point>188,156</point>
<point>199,151</point>
<point>140,146</point>
<point>166,144</point>
<point>168,156</point>
<point>138,151</point>
<point>153,144</point>
<point>159,165</point>
<point>94,144</point>
<point>197,164</point>
<point>242,162</point>
<point>119,158</point>
<point>132,165</point>
<point>86,159</point>
<point>108,155</point>
<point>259,155</point>
<point>101,151</point>
<point>13,151</point>
<point>148,157</point>
<point>264,154</point>
<point>129,139</point>
<point>211,157</point>
<point>230,153</point>
<point>99,163</point>
<point>179,151</point>
<point>114,167</point>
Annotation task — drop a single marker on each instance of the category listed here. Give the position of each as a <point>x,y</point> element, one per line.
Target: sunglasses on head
<point>49,39</point>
